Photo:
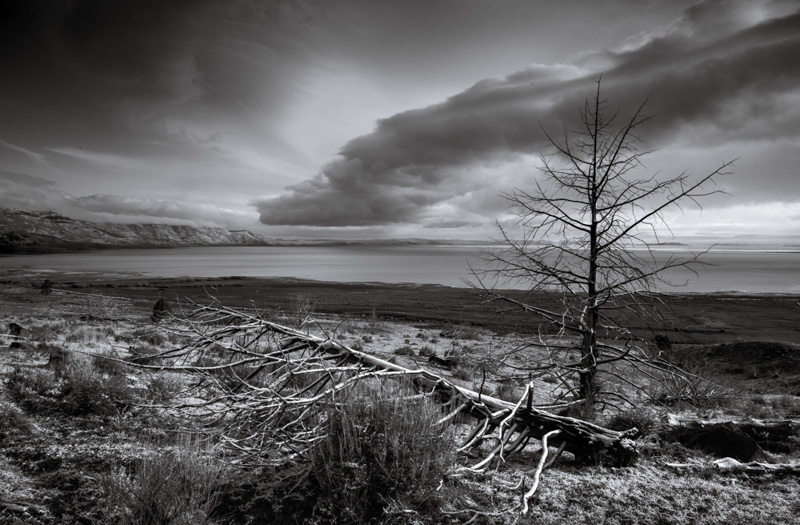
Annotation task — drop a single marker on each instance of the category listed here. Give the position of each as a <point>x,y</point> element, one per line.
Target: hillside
<point>26,232</point>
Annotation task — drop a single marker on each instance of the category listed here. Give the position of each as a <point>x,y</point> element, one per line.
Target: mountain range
<point>33,232</point>
<point>39,232</point>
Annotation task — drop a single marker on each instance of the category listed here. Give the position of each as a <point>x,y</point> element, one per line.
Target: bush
<point>144,355</point>
<point>380,449</point>
<point>426,351</point>
<point>85,391</point>
<point>160,311</point>
<point>404,350</point>
<point>108,363</point>
<point>507,391</point>
<point>180,487</point>
<point>461,373</point>
<point>32,388</point>
<point>646,421</point>
<point>148,335</point>
<point>162,388</point>
<point>74,386</point>
<point>12,419</point>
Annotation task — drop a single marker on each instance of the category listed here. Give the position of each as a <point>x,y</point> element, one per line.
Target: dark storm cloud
<point>735,81</point>
<point>108,73</point>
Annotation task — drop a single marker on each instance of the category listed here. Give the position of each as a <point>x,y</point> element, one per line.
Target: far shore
<point>688,318</point>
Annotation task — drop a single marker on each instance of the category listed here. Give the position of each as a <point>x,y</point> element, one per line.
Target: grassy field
<point>87,439</point>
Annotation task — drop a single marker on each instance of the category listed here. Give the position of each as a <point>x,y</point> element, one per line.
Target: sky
<point>381,118</point>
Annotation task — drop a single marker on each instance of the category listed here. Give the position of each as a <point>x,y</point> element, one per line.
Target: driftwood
<point>732,466</point>
<point>279,414</point>
<point>536,475</point>
<point>20,507</point>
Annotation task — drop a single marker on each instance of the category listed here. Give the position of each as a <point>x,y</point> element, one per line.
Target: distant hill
<point>33,232</point>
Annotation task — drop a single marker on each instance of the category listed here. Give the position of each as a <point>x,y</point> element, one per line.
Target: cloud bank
<point>36,193</point>
<point>723,79</point>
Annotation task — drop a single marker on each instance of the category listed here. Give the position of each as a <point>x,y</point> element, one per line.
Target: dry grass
<point>650,493</point>
<point>181,486</point>
<point>72,438</point>
<point>379,449</point>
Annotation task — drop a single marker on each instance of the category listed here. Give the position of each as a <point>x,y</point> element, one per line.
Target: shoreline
<point>691,318</point>
<point>85,278</point>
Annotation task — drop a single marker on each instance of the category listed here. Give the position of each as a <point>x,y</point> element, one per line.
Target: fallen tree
<point>732,466</point>
<point>271,382</point>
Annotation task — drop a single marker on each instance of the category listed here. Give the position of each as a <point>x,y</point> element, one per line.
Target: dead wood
<point>732,466</point>
<point>537,474</point>
<point>283,376</point>
<point>20,507</point>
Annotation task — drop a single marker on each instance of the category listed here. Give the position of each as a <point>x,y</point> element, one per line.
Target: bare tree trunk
<point>306,373</point>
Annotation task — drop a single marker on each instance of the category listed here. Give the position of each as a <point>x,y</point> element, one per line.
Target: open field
<point>77,439</point>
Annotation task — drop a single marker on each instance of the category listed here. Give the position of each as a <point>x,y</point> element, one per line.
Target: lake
<point>736,270</point>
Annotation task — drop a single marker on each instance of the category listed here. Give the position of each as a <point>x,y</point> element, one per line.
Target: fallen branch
<point>732,466</point>
<point>536,475</point>
<point>23,507</point>
<point>271,381</point>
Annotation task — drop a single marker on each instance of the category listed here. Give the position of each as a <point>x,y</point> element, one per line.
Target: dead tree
<point>267,385</point>
<point>583,241</point>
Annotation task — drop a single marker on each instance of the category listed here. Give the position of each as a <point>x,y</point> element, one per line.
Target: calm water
<point>740,270</point>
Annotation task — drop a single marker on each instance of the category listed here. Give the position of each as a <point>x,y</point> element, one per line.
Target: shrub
<point>646,421</point>
<point>57,356</point>
<point>461,373</point>
<point>148,335</point>
<point>455,357</point>
<point>380,448</point>
<point>426,351</point>
<point>32,388</point>
<point>162,388</point>
<point>180,487</point>
<point>85,391</point>
<point>78,389</point>
<point>81,334</point>
<point>404,350</point>
<point>107,363</point>
<point>507,391</point>
<point>144,355</point>
<point>11,418</point>
<point>160,310</point>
